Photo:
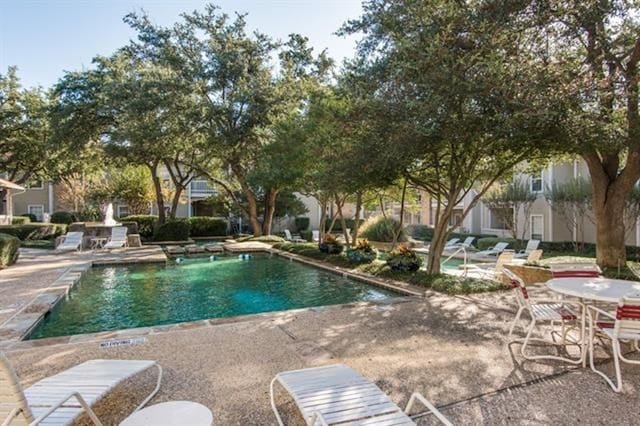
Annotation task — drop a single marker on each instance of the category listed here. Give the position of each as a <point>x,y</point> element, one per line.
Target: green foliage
<point>450,284</point>
<point>66,218</point>
<point>420,232</point>
<point>133,186</point>
<point>331,245</point>
<point>20,220</point>
<point>509,202</point>
<point>307,235</point>
<point>571,200</point>
<point>262,239</point>
<point>404,259</point>
<point>31,217</point>
<point>172,230</point>
<point>302,223</point>
<point>202,226</point>
<point>9,253</point>
<point>34,231</point>
<point>363,252</point>
<point>383,229</point>
<point>38,244</point>
<point>488,242</point>
<point>146,224</point>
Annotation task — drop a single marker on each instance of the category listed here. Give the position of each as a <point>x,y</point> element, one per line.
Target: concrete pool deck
<point>451,349</point>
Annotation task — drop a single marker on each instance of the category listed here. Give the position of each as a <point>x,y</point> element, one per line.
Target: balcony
<point>201,188</point>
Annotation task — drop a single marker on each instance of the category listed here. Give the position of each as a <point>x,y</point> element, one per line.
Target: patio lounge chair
<point>491,270</point>
<point>449,245</point>
<point>494,251</point>
<point>567,313</point>
<point>71,241</point>
<point>315,236</point>
<point>624,325</point>
<point>118,238</point>
<point>337,394</point>
<point>293,238</point>
<point>467,243</point>
<point>61,398</point>
<point>531,246</point>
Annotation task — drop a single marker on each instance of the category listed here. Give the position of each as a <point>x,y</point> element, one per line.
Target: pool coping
<point>14,331</point>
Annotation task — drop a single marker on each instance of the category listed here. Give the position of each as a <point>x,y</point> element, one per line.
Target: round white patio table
<point>172,413</point>
<point>596,288</point>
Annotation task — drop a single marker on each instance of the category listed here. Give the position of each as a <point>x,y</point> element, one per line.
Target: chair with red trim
<point>544,311</point>
<point>624,325</point>
<point>575,270</point>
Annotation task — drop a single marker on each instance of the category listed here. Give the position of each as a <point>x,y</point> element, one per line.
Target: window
<point>537,227</point>
<point>123,210</point>
<point>36,184</point>
<point>536,183</point>
<point>37,210</point>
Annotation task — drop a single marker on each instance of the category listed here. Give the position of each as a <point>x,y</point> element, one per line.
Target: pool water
<point>120,297</point>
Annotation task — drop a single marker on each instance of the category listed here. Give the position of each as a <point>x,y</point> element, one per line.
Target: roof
<point>9,185</point>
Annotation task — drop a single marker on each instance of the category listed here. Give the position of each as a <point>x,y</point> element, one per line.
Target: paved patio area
<point>451,349</point>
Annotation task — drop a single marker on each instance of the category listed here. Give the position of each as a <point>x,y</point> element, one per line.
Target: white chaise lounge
<point>118,238</point>
<point>71,241</point>
<point>293,238</point>
<point>531,246</point>
<point>337,394</point>
<point>493,251</point>
<point>61,398</point>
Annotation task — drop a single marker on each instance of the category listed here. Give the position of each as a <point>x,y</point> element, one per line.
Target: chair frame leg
<point>528,338</point>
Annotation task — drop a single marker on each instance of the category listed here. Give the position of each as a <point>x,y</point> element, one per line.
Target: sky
<point>44,38</point>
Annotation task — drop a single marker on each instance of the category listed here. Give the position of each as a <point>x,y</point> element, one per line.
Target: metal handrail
<point>464,252</point>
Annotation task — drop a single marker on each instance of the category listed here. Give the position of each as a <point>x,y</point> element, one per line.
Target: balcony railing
<point>202,187</point>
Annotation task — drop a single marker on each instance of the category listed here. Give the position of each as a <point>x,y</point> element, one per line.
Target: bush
<point>488,242</point>
<point>302,223</point>
<point>363,252</point>
<point>8,250</point>
<point>307,235</point>
<point>404,260</point>
<point>146,224</point>
<point>420,232</point>
<point>32,217</point>
<point>262,239</point>
<point>34,231</point>
<point>63,217</point>
<point>20,220</point>
<point>172,230</point>
<point>202,226</point>
<point>331,245</point>
<point>382,229</point>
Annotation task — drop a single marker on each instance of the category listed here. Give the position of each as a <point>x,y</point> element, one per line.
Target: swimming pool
<point>120,297</point>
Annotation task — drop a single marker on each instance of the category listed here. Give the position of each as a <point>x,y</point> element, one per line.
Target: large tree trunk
<point>157,186</point>
<point>356,223</point>
<point>269,210</point>
<point>440,233</point>
<point>252,201</point>
<point>175,201</point>
<point>323,220</point>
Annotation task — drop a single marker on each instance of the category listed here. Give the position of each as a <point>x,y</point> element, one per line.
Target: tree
<point>512,202</point>
<point>454,98</point>
<point>571,200</point>
<point>132,185</point>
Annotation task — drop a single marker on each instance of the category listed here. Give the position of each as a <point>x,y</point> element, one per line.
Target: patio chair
<point>467,243</point>
<point>61,398</point>
<point>624,325</point>
<point>71,241</point>
<point>315,236</point>
<point>533,257</point>
<point>337,394</point>
<point>118,238</point>
<point>531,246</point>
<point>491,270</point>
<point>293,238</point>
<point>567,313</point>
<point>494,251</point>
<point>575,270</point>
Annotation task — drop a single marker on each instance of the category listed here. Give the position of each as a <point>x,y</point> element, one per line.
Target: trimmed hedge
<point>301,223</point>
<point>32,217</point>
<point>173,230</point>
<point>20,220</point>
<point>34,231</point>
<point>203,226</point>
<point>146,224</point>
<point>8,250</point>
<point>63,217</point>
<point>488,242</point>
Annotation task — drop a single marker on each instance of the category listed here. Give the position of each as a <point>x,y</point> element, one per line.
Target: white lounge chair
<point>449,245</point>
<point>315,236</point>
<point>533,257</point>
<point>467,243</point>
<point>71,241</point>
<point>293,238</point>
<point>118,238</point>
<point>337,394</point>
<point>61,398</point>
<point>491,270</point>
<point>494,251</point>
<point>531,246</point>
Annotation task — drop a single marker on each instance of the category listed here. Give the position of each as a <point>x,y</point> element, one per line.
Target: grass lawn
<point>443,283</point>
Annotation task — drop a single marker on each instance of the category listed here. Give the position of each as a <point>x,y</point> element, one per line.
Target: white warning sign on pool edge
<point>122,342</point>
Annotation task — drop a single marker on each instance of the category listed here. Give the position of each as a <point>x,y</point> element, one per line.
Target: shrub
<point>262,239</point>
<point>8,250</point>
<point>203,226</point>
<point>363,252</point>
<point>32,217</point>
<point>172,230</point>
<point>307,235</point>
<point>420,232</point>
<point>488,242</point>
<point>404,260</point>
<point>301,223</point>
<point>146,224</point>
<point>63,217</point>
<point>34,231</point>
<point>331,245</point>
<point>20,220</point>
<point>380,228</point>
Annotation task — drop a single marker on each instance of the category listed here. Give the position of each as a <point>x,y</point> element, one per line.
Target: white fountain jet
<point>108,216</point>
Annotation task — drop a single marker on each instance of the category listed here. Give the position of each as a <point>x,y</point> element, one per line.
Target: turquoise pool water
<point>113,298</point>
